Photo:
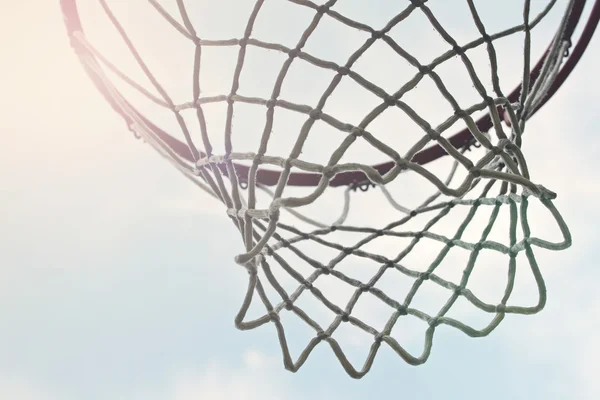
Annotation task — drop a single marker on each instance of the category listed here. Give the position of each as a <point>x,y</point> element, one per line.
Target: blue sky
<point>117,278</point>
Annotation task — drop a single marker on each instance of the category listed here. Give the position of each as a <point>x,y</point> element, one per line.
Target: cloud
<point>20,388</point>
<point>559,339</point>
<point>253,379</point>
<point>215,382</point>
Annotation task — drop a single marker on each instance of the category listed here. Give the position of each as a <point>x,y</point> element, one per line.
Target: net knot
<point>328,172</point>
<point>500,308</point>
<point>377,35</point>
<point>289,305</point>
<point>457,49</point>
<point>322,335</point>
<point>379,338</point>
<point>243,42</point>
<point>487,38</point>
<point>273,316</point>
<point>345,317</point>
<point>364,288</point>
<point>315,114</point>
<point>325,270</point>
<point>402,164</point>
<point>343,70</point>
<point>425,276</point>
<point>390,101</point>
<point>323,8</point>
<point>504,143</point>
<point>357,132</point>
<point>433,134</point>
<point>271,103</point>
<point>274,213</point>
<point>293,53</point>
<point>475,172</point>
<point>489,101</point>
<point>545,194</point>
<point>267,251</point>
<point>424,69</point>
<point>461,114</point>
<point>402,310</point>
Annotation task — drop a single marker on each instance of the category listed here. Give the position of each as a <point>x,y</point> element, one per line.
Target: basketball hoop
<point>274,232</point>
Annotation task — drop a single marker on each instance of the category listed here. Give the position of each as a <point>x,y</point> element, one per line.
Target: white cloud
<point>252,380</point>
<point>217,383</point>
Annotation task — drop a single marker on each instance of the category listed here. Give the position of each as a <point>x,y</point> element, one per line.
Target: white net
<point>292,257</point>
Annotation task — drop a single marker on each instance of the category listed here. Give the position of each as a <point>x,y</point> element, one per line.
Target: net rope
<point>503,167</point>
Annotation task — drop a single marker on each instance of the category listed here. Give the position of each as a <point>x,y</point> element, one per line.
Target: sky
<point>117,278</point>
